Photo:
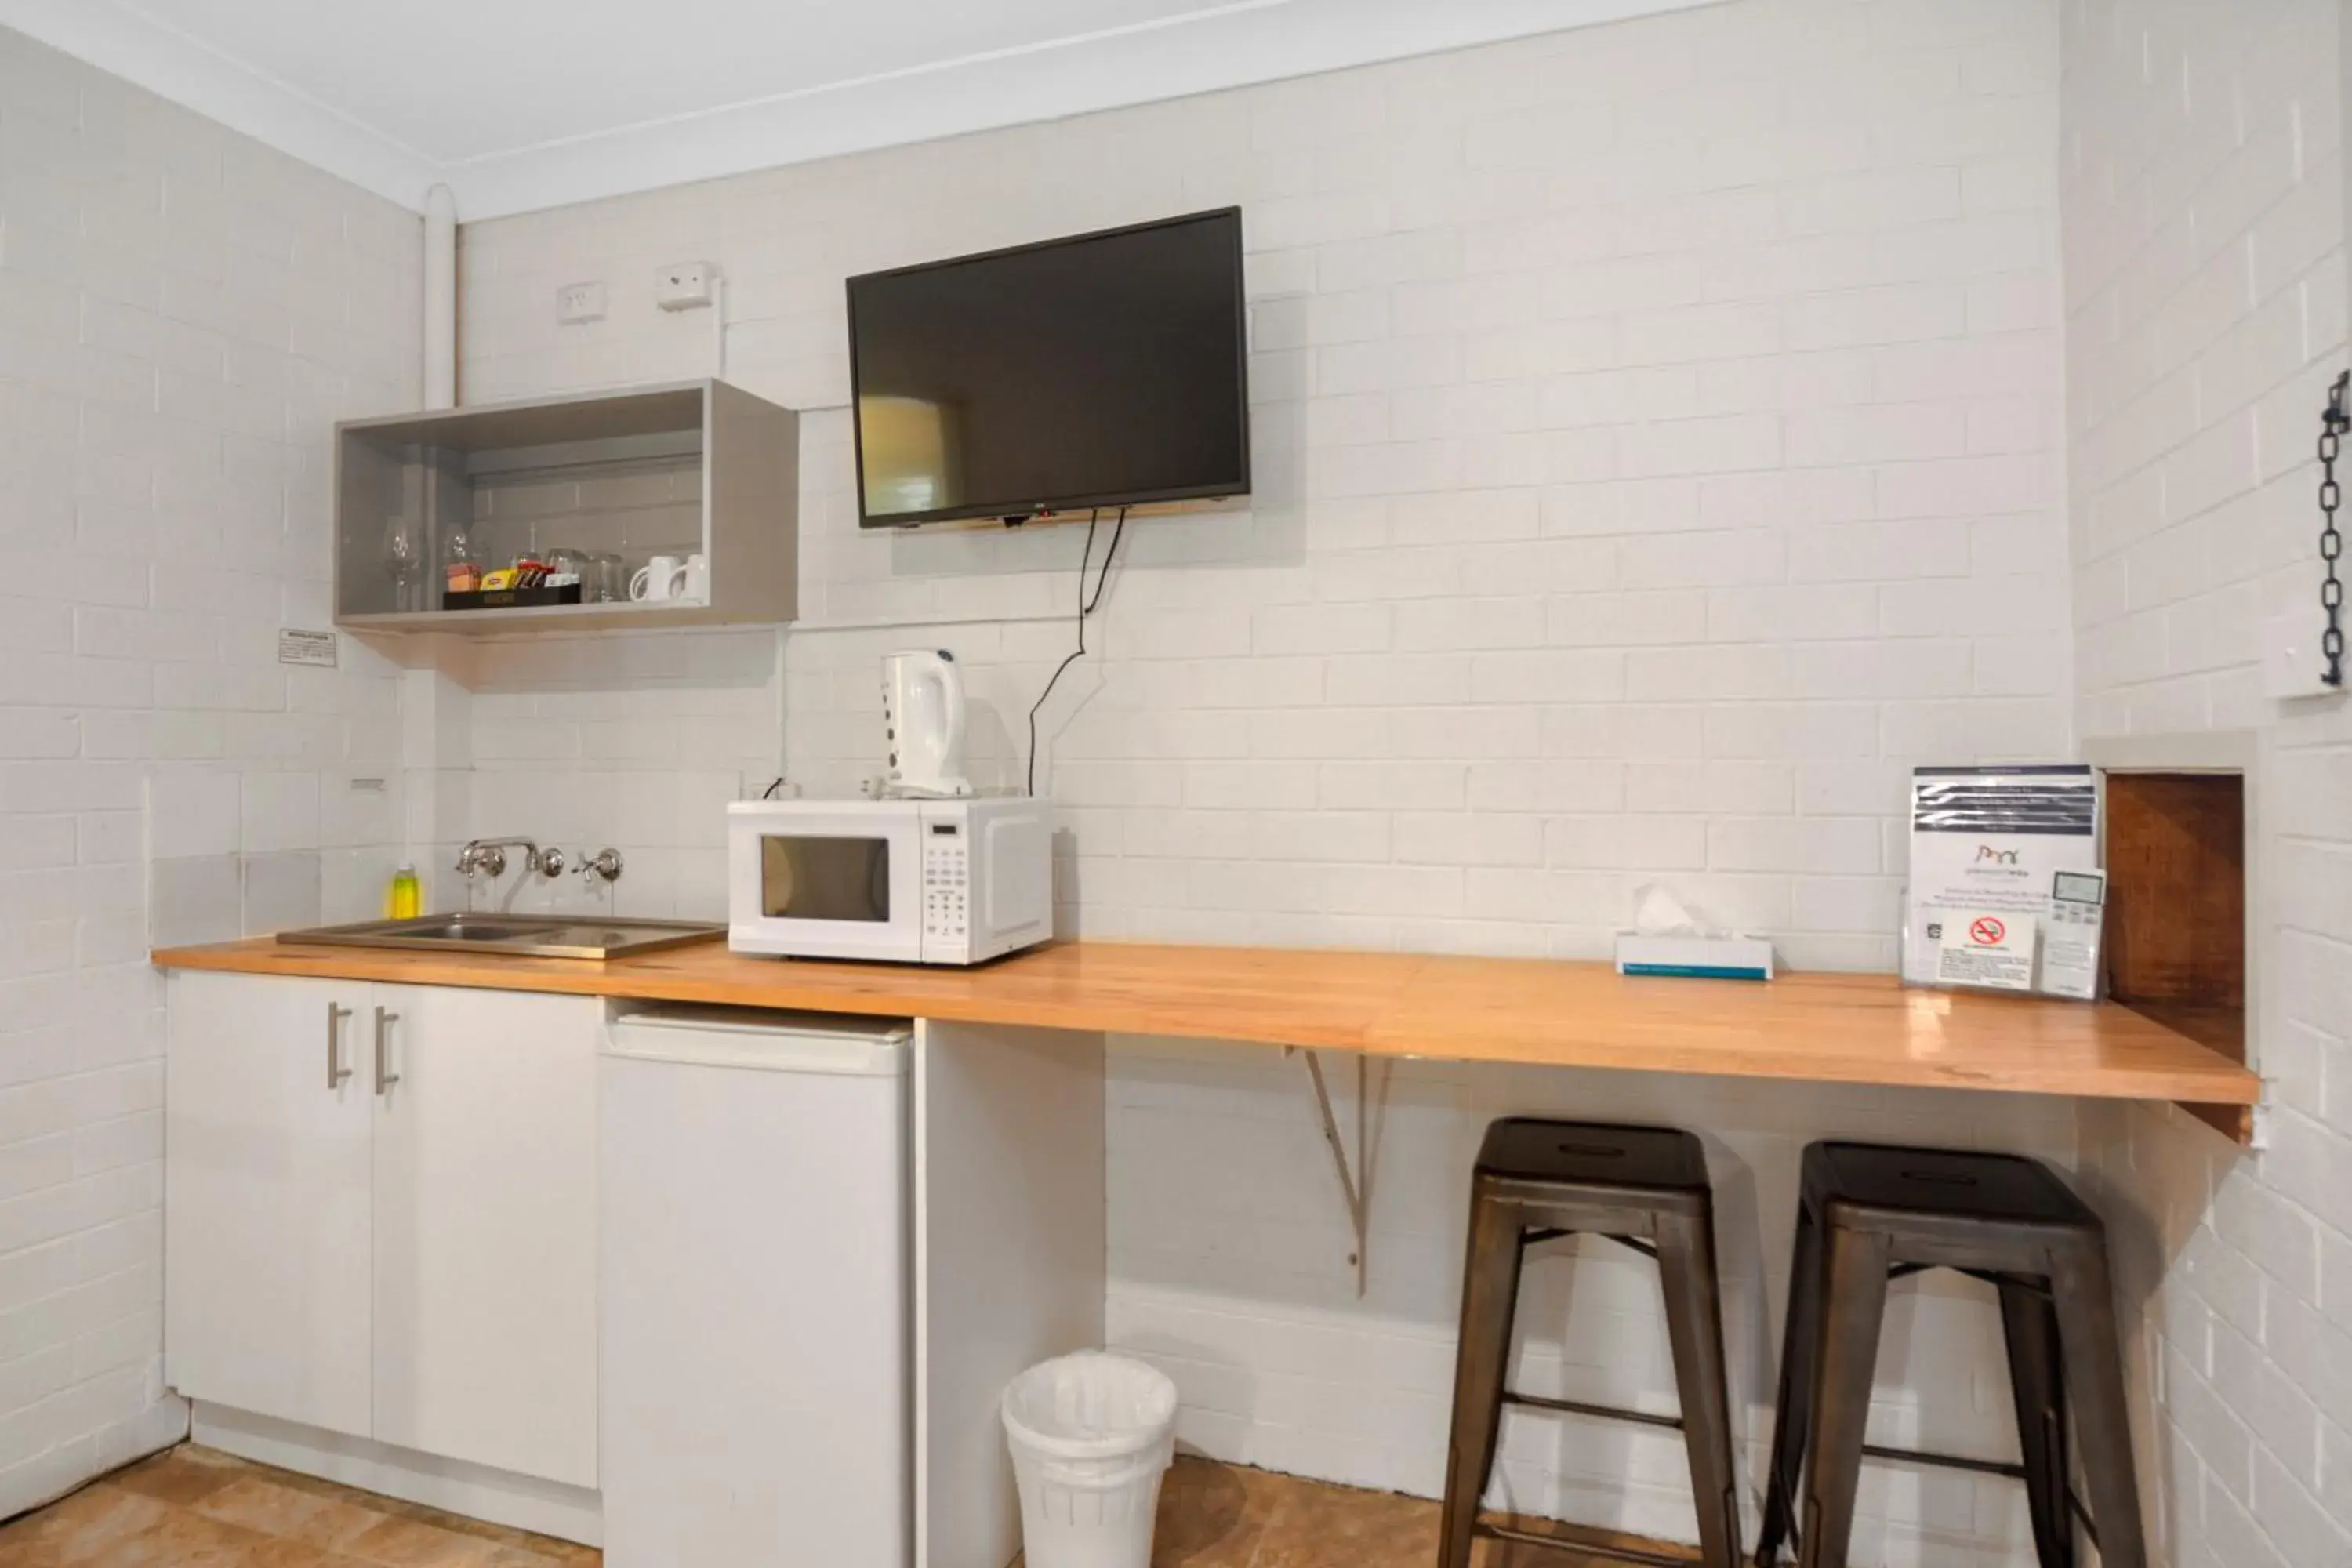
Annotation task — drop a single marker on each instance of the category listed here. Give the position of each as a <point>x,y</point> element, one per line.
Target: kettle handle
<point>950,681</point>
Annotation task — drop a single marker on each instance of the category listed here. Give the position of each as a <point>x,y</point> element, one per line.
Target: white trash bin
<point>1091,1436</point>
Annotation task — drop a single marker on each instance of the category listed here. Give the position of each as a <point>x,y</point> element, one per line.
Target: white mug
<point>695,580</point>
<point>660,578</point>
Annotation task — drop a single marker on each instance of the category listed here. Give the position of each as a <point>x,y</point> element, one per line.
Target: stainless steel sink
<point>517,936</point>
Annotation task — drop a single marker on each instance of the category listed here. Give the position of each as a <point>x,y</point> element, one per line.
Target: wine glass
<point>403,559</point>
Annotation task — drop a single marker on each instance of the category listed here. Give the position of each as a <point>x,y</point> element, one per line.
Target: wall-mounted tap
<point>489,855</point>
<point>605,863</point>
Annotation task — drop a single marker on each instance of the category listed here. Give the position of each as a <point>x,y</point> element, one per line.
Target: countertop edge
<point>1371,1023</point>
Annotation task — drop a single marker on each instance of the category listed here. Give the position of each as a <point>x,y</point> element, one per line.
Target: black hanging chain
<point>2334,421</point>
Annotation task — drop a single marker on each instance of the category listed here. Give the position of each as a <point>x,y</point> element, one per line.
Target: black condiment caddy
<point>511,598</point>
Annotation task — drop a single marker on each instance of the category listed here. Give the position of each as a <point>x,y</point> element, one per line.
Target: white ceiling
<point>517,104</point>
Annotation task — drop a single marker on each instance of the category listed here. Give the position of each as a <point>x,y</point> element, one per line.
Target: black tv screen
<point>1098,371</point>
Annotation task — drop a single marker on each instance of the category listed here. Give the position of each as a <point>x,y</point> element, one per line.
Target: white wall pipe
<point>718,322</point>
<point>440,299</point>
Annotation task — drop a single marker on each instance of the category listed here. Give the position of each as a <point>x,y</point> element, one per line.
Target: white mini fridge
<point>755,1291</point>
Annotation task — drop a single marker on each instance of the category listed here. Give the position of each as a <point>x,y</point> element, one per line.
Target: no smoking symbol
<point>1987,931</point>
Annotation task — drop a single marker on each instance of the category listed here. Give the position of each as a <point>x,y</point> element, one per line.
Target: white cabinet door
<point>485,1228</point>
<point>266,1211</point>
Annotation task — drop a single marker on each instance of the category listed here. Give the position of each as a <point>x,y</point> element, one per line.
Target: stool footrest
<point>1579,1408</point>
<point>1946,1461</point>
<point>2081,1515</point>
<point>1985,1468</point>
<point>1585,1543</point>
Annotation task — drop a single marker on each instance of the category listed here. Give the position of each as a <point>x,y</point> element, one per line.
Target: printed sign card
<point>1989,843</point>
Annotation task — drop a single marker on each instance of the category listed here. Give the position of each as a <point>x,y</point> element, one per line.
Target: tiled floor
<point>201,1509</point>
<point>1223,1516</point>
<point>206,1509</point>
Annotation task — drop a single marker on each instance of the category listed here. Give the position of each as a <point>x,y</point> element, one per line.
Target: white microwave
<point>903,881</point>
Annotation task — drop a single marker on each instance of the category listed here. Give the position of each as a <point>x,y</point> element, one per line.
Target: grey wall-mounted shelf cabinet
<point>696,467</point>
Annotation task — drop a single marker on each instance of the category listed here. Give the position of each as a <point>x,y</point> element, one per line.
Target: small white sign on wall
<point>306,647</point>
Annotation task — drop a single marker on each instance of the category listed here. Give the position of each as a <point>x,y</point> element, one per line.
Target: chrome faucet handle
<point>549,862</point>
<point>487,858</point>
<point>605,863</point>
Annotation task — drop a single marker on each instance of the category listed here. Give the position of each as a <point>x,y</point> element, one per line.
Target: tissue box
<point>1708,957</point>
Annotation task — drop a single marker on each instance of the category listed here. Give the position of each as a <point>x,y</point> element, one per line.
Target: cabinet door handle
<point>336,1071</point>
<point>384,1079</point>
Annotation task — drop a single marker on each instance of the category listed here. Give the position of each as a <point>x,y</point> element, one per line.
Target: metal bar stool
<point>1871,1213</point>
<point>1645,1188</point>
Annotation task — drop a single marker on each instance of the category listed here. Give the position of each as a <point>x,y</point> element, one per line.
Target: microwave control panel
<point>947,877</point>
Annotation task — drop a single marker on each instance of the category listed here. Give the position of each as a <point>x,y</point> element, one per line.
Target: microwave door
<point>828,878</point>
<point>844,892</point>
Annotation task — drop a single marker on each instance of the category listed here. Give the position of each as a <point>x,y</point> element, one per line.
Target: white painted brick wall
<point>1716,511</point>
<point>183,314</point>
<point>2203,192</point>
<point>1658,436</point>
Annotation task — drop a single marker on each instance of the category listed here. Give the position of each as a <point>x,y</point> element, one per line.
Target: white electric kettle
<point>922,715</point>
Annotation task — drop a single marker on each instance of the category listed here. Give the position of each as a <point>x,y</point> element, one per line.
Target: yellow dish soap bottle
<point>403,900</point>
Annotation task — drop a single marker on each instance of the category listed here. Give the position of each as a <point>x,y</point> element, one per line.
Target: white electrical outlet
<point>683,286</point>
<point>577,302</point>
<point>2292,662</point>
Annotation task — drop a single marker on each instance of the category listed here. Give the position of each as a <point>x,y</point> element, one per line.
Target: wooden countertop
<point>1838,1028</point>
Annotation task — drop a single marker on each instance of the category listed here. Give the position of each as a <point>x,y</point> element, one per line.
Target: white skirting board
<point>1009,1259</point>
<point>547,1508</point>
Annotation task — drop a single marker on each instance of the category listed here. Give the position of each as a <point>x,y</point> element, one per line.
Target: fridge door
<point>753,1285</point>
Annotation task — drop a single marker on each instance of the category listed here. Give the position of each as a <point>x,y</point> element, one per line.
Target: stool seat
<point>1645,1187</point>
<point>2006,1188</point>
<point>1585,1153</point>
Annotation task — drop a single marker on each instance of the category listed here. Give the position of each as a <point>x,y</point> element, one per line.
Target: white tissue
<point>1671,937</point>
<point>1658,912</point>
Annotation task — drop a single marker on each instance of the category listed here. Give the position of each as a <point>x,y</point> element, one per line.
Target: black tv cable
<point>1087,602</point>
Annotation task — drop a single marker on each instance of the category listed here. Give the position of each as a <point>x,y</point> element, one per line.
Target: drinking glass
<point>607,580</point>
<point>403,559</point>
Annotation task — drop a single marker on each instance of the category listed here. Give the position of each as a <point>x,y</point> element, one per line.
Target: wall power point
<point>683,286</point>
<point>576,302</point>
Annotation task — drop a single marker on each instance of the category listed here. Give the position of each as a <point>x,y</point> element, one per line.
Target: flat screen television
<point>1103,370</point>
